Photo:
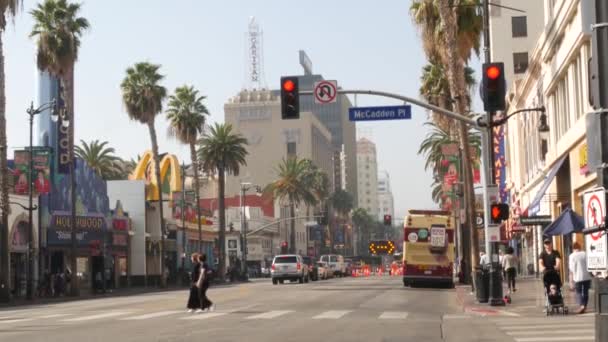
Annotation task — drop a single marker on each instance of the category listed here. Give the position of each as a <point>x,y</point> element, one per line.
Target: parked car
<point>312,267</point>
<point>323,271</point>
<point>288,267</point>
<point>348,266</point>
<point>335,262</point>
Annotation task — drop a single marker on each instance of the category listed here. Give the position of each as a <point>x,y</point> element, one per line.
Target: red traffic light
<point>288,85</point>
<point>499,212</point>
<point>495,213</point>
<point>493,72</point>
<point>284,244</point>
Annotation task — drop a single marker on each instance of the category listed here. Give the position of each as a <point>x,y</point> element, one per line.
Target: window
<point>291,149</point>
<point>520,62</point>
<point>519,26</point>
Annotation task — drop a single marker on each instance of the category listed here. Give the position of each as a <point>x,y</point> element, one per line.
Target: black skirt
<point>194,301</point>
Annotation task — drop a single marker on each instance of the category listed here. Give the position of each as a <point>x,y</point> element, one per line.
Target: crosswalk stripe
<point>17,320</point>
<point>98,316</point>
<point>151,315</point>
<point>556,339</point>
<point>393,315</point>
<point>546,326</point>
<point>332,314</point>
<point>55,315</point>
<point>270,314</point>
<point>542,320</point>
<point>551,332</point>
<point>452,316</point>
<point>204,315</point>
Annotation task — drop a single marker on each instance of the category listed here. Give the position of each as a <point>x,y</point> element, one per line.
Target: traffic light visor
<point>288,85</point>
<point>493,72</point>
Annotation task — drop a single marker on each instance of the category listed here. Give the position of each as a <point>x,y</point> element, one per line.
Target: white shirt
<point>578,266</point>
<point>508,261</point>
<point>484,260</point>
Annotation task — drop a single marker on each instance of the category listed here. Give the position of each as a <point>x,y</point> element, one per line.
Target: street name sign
<point>380,113</point>
<point>539,220</point>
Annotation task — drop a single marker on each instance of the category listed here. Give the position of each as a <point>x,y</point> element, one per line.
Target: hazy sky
<point>363,44</point>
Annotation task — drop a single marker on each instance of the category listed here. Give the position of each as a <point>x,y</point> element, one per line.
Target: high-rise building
<point>385,196</point>
<point>335,117</point>
<point>367,174</point>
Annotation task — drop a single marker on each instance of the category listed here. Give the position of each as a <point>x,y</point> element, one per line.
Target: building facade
<point>367,176</point>
<point>386,204</point>
<point>547,174</point>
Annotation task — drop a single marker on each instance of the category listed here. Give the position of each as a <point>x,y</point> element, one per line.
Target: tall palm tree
<point>222,152</point>
<point>58,29</point>
<point>8,9</point>
<point>293,186</point>
<point>363,222</point>
<point>450,31</point>
<point>143,97</point>
<point>186,114</point>
<point>99,157</point>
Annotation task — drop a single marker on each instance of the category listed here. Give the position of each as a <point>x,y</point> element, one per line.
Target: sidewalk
<point>528,300</point>
<point>121,292</point>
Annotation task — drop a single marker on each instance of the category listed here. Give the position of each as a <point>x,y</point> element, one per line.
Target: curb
<point>472,308</point>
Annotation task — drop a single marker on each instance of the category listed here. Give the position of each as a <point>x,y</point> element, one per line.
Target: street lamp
<point>543,128</point>
<point>245,186</point>
<point>32,112</point>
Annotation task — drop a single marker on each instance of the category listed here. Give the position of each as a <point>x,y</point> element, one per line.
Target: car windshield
<point>286,260</point>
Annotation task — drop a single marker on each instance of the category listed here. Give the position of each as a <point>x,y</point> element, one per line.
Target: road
<point>343,309</point>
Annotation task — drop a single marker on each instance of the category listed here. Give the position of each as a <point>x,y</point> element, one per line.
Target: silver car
<point>288,267</point>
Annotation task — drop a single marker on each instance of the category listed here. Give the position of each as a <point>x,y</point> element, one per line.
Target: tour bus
<point>428,248</point>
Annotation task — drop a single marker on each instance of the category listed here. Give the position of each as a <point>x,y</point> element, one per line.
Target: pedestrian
<point>203,284</point>
<point>580,279</point>
<point>508,264</point>
<point>194,302</point>
<point>550,262</point>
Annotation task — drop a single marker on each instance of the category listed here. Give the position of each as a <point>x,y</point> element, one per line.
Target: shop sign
<point>63,221</point>
<point>64,237</point>
<point>119,240</point>
<point>583,161</point>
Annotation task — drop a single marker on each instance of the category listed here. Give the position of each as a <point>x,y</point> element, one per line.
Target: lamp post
<point>244,188</point>
<point>32,112</point>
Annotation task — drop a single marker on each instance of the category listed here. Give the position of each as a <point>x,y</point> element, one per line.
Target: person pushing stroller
<point>549,264</point>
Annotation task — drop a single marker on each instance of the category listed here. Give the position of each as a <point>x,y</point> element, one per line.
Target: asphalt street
<point>342,309</point>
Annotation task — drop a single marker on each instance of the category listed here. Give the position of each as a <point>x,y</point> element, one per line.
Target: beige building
<point>547,174</point>
<point>367,175</point>
<point>386,204</point>
<point>257,116</point>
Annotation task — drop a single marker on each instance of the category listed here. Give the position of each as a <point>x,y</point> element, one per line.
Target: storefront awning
<point>534,206</point>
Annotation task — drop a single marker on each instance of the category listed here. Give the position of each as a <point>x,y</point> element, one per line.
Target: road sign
<point>380,113</point>
<point>494,232</point>
<point>596,244</point>
<point>539,220</point>
<point>325,92</point>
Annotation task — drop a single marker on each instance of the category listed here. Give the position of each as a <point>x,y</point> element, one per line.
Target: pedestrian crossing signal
<point>499,212</point>
<point>388,220</point>
<point>284,247</point>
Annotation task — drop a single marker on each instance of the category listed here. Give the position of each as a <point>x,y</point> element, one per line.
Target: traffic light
<point>284,247</point>
<point>493,87</point>
<point>388,220</point>
<point>290,98</point>
<point>499,212</point>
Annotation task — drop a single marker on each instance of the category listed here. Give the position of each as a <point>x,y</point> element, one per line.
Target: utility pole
<point>495,290</point>
<point>599,89</point>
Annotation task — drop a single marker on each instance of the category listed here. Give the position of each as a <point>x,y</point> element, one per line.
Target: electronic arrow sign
<point>380,113</point>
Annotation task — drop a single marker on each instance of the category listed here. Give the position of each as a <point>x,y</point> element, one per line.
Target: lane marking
<point>55,315</point>
<point>453,316</point>
<point>270,314</point>
<point>332,314</point>
<point>553,339</point>
<point>16,320</point>
<point>393,315</point>
<point>550,332</point>
<point>151,315</point>
<point>546,326</point>
<point>204,315</point>
<point>98,316</point>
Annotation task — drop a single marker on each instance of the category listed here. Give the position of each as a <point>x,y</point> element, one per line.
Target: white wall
<point>132,195</point>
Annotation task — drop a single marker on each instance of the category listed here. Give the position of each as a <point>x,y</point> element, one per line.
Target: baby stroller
<point>553,294</point>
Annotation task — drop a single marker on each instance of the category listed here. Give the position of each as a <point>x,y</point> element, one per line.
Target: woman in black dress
<point>205,273</point>
<point>194,302</point>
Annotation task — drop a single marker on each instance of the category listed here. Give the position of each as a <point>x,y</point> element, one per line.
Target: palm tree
<point>186,114</point>
<point>363,222</point>
<point>58,29</point>
<point>143,97</point>
<point>99,157</point>
<point>343,202</point>
<point>292,185</point>
<point>450,33</point>
<point>222,152</point>
<point>8,9</point>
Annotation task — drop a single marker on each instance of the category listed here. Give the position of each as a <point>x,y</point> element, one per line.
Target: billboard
<point>40,175</point>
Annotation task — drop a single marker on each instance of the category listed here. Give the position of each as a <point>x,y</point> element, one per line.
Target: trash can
<point>496,286</point>
<point>482,284</point>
